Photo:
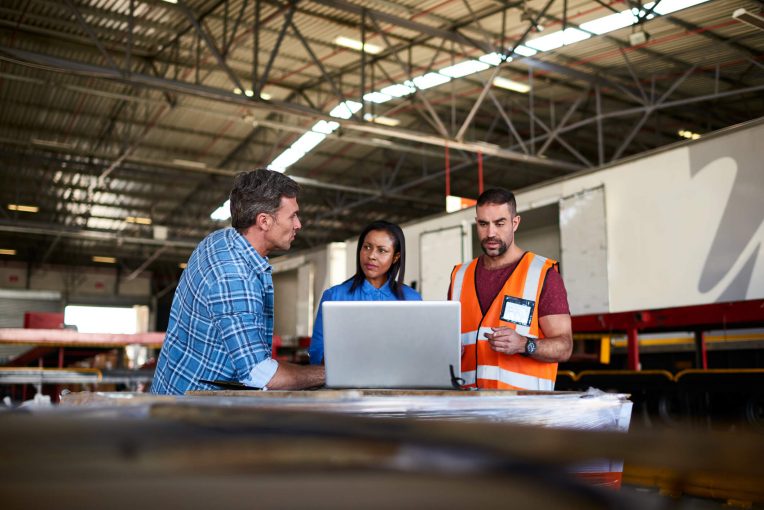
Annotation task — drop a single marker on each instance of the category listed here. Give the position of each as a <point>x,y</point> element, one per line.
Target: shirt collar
<point>368,288</point>
<point>259,263</point>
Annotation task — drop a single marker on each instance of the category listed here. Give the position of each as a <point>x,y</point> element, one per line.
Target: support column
<point>632,346</point>
<point>701,359</point>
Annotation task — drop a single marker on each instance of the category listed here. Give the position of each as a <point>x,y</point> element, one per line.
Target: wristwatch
<point>530,347</point>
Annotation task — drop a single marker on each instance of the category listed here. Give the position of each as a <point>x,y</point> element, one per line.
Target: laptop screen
<point>392,344</point>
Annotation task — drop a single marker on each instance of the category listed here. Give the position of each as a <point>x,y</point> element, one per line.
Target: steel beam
<point>146,263</point>
<point>56,230</point>
<point>210,44</point>
<point>479,101</point>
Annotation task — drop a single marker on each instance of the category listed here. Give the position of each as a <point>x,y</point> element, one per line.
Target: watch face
<point>530,346</point>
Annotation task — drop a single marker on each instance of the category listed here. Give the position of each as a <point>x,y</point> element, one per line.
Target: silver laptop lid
<point>391,344</point>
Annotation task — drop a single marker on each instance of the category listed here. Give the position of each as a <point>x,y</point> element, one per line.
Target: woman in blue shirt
<point>380,266</point>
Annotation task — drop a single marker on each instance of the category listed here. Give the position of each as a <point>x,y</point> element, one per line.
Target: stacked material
<point>344,449</point>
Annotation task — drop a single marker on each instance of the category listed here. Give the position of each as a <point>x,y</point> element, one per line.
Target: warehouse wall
<point>685,225</point>
<point>74,282</point>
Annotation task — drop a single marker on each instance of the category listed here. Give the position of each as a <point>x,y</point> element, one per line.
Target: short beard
<point>503,247</point>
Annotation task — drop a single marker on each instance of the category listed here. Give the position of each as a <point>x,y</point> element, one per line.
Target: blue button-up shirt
<point>221,321</point>
<point>341,292</point>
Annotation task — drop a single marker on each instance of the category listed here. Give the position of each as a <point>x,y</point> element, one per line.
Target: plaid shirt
<point>221,322</point>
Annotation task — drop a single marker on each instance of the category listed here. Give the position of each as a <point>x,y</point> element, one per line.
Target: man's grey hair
<point>258,191</point>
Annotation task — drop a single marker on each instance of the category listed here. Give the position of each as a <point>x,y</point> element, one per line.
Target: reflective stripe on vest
<point>494,373</point>
<point>469,337</point>
<point>531,287</point>
<point>456,288</point>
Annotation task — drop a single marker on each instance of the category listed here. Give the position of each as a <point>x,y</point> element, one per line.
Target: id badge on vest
<point>517,311</point>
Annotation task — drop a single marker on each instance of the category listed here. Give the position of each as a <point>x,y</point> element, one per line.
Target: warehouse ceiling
<point>122,122</point>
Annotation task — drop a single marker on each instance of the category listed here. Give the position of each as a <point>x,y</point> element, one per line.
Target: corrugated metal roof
<point>163,140</point>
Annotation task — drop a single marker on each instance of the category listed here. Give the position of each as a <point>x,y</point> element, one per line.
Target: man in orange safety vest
<point>515,318</point>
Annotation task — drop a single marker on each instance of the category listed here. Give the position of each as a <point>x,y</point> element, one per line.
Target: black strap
<point>229,385</point>
<point>456,382</point>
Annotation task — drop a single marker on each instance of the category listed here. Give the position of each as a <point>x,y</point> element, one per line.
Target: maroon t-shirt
<point>553,299</point>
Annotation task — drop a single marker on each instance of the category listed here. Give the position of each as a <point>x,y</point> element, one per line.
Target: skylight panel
<point>325,127</point>
<point>345,109</point>
<point>574,35</point>
<point>223,212</point>
<point>398,90</point>
<point>609,23</point>
<point>376,97</point>
<point>669,6</point>
<point>464,68</point>
<point>525,51</point>
<point>493,59</point>
<point>558,39</point>
<point>286,159</point>
<point>308,141</point>
<point>547,42</point>
<point>430,80</point>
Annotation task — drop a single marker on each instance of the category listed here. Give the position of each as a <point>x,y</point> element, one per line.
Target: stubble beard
<point>501,250</point>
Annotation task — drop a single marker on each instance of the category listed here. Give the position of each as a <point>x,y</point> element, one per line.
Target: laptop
<point>392,344</point>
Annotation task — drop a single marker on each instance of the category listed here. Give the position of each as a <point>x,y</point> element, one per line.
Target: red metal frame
<point>717,315</point>
<point>736,314</point>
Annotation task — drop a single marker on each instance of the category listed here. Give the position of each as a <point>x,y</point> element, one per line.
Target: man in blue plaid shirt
<point>221,321</point>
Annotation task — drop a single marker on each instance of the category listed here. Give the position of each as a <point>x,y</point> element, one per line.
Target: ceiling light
<point>454,203</point>
<point>686,133</point>
<point>749,18</point>
<point>355,44</point>
<point>183,265</point>
<point>430,80</point>
<point>104,260</point>
<point>380,119</point>
<point>52,143</point>
<point>464,68</point>
<point>511,85</point>
<point>139,220</point>
<point>222,213</point>
<point>251,93</point>
<point>23,208</point>
<point>4,251</point>
<point>171,1</point>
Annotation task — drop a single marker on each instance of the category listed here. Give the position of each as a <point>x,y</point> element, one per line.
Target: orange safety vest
<point>517,301</point>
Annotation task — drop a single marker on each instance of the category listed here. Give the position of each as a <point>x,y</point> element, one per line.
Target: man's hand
<point>555,347</point>
<point>506,340</point>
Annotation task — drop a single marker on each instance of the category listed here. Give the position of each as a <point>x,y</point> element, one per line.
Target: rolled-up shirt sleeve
<point>238,312</point>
